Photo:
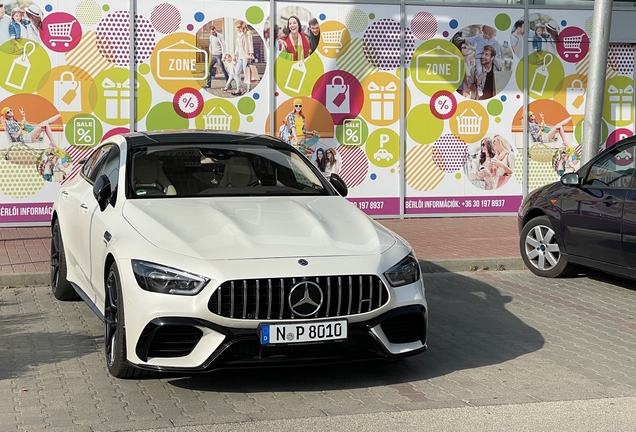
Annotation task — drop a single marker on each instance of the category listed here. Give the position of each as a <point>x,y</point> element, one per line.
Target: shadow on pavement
<point>469,327</point>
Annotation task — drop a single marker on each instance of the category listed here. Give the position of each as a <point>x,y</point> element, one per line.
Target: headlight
<point>166,280</point>
<point>405,272</point>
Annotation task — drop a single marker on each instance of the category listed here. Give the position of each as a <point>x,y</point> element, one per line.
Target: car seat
<point>238,173</point>
<point>149,178</point>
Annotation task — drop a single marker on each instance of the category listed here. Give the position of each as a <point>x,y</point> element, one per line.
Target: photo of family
<point>237,56</point>
<point>488,64</point>
<point>54,165</point>
<point>19,21</point>
<point>490,162</point>
<point>543,35</point>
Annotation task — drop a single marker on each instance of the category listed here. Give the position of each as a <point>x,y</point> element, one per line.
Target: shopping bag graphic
<point>574,97</point>
<point>337,100</point>
<point>20,68</point>
<point>67,93</point>
<point>621,102</point>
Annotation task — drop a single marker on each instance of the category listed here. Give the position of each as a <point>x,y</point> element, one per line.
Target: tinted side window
<point>92,165</point>
<point>615,169</point>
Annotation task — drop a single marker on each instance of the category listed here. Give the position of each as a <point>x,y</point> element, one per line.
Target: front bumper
<point>398,333</point>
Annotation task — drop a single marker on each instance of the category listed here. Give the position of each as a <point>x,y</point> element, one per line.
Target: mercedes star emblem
<point>305,299</point>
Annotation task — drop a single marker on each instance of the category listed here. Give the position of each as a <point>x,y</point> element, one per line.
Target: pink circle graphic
<point>61,32</point>
<point>443,105</point>
<point>618,135</point>
<point>355,165</point>
<point>424,25</point>
<point>115,131</point>
<point>381,44</point>
<point>113,38</point>
<point>450,153</point>
<point>341,93</point>
<point>165,18</point>
<point>573,44</point>
<point>188,102</point>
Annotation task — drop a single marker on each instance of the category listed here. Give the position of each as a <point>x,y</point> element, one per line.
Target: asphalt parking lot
<point>496,338</point>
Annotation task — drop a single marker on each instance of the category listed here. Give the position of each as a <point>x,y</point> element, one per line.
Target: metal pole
<point>132,5</point>
<point>599,47</point>
<point>402,124</point>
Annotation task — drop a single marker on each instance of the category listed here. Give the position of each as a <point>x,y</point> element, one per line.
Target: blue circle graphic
<point>256,96</point>
<point>453,23</point>
<point>373,176</point>
<point>199,16</point>
<point>48,8</point>
<point>322,17</point>
<point>504,98</point>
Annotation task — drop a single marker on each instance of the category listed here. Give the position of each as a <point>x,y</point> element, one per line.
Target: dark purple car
<point>588,218</point>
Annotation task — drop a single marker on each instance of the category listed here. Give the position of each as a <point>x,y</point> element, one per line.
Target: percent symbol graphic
<point>84,135</point>
<point>188,102</point>
<point>443,105</point>
<point>352,136</point>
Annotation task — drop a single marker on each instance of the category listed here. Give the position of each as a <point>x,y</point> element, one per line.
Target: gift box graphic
<point>117,96</point>
<point>621,102</point>
<point>382,101</point>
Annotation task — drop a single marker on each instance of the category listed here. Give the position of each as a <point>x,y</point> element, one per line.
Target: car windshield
<point>221,170</point>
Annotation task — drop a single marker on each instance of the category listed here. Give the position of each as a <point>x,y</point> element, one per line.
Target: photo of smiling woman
<point>294,41</point>
<point>297,125</point>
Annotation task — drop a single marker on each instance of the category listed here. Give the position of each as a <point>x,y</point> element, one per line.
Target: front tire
<point>60,286</point>
<point>115,329</point>
<point>540,250</point>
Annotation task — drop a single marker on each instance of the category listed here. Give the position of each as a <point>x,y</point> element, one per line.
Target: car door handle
<point>610,201</point>
<point>64,194</point>
<point>84,207</point>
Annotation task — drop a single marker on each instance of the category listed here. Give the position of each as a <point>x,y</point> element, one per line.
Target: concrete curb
<point>438,266</point>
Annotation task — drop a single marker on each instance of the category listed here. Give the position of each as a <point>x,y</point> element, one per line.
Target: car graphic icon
<point>382,154</point>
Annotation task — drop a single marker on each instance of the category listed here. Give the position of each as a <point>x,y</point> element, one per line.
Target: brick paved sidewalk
<point>457,243</point>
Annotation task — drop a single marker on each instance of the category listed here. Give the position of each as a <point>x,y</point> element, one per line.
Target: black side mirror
<point>339,184</point>
<point>102,191</point>
<point>570,179</point>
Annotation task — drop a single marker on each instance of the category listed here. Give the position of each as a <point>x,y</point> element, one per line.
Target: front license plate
<point>303,332</point>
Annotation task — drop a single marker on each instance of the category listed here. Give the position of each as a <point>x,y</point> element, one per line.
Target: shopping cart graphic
<point>572,45</point>
<point>61,32</point>
<point>332,40</point>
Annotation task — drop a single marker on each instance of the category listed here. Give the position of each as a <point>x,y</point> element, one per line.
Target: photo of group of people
<point>491,164</point>
<point>19,23</point>
<point>297,33</point>
<point>237,56</point>
<point>487,63</point>
<point>54,165</point>
<point>543,35</point>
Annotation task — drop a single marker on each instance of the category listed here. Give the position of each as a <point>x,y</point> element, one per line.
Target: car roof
<point>190,136</point>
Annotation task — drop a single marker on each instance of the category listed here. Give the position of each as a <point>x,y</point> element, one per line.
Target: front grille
<point>174,341</point>
<point>268,298</point>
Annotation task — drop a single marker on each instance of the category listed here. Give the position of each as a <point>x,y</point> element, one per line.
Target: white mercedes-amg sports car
<point>203,250</point>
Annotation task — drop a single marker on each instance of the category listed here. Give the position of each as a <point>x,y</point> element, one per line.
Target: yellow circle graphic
<point>382,99</point>
<point>334,39</point>
<point>68,87</point>
<point>176,62</point>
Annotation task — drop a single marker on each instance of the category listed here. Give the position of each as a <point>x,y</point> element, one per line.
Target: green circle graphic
<point>502,21</point>
<point>298,78</point>
<point>422,126</point>
<point>618,105</point>
<point>218,114</point>
<point>545,73</point>
<point>144,68</point>
<point>84,130</point>
<point>578,132</point>
<point>254,14</point>
<point>357,21</point>
<point>23,70</point>
<point>495,107</point>
<point>383,147</point>
<point>352,132</point>
<point>437,64</point>
<point>246,105</point>
<point>110,95</point>
<point>163,116</point>
<point>19,180</point>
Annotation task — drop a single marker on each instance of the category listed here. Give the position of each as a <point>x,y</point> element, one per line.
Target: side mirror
<point>102,191</point>
<point>570,179</point>
<point>338,184</point>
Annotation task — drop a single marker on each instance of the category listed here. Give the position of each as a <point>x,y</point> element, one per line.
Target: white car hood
<point>254,227</point>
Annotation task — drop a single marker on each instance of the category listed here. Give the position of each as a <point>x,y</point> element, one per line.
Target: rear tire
<point>540,250</point>
<point>115,329</point>
<point>60,286</point>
